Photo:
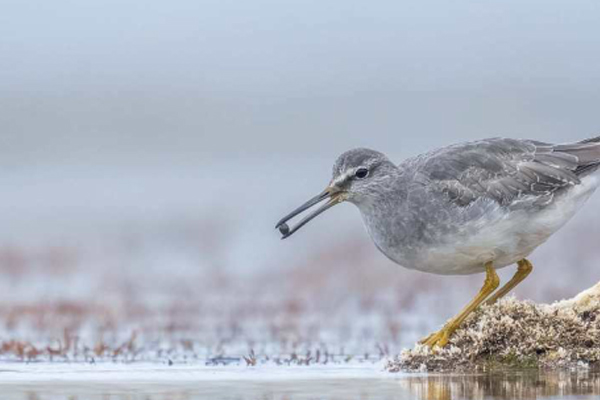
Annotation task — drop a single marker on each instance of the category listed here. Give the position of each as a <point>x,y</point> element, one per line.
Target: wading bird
<point>463,209</point>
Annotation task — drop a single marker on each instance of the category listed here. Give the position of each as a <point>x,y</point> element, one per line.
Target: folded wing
<point>505,170</point>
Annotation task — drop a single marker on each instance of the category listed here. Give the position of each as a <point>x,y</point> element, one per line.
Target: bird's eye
<point>361,173</point>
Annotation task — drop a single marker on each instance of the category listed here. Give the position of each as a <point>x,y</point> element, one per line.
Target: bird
<point>467,208</point>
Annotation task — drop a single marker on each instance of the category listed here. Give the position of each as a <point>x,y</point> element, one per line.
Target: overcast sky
<point>143,81</point>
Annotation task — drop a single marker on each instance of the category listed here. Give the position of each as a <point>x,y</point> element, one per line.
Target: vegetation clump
<point>517,334</point>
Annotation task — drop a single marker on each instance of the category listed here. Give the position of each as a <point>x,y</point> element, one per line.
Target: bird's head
<point>357,176</point>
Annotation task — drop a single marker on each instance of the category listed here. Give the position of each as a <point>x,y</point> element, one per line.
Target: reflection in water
<point>532,385</point>
<point>529,384</point>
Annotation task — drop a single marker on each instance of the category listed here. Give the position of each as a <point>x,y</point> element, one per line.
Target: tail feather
<point>591,140</point>
<point>587,153</point>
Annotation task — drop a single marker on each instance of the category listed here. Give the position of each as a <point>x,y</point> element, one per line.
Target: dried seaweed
<point>517,334</point>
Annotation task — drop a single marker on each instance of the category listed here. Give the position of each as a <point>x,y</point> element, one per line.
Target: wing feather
<point>506,169</point>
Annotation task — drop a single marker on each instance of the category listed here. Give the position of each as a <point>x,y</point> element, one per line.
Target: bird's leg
<point>524,268</point>
<point>441,337</point>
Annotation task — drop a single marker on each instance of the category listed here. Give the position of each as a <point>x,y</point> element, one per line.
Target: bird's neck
<point>384,213</point>
<point>385,200</point>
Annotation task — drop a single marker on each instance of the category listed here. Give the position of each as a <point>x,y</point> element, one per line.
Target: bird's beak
<point>335,196</point>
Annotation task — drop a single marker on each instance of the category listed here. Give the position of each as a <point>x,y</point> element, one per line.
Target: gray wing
<point>506,169</point>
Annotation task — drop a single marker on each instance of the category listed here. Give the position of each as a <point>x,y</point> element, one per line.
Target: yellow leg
<point>524,268</point>
<point>490,284</point>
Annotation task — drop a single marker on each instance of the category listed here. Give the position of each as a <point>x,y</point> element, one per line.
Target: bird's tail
<point>587,153</point>
<point>591,140</point>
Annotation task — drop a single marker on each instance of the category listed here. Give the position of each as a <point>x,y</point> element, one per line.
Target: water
<point>360,381</point>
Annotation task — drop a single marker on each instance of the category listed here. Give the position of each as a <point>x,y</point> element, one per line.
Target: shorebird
<point>463,209</point>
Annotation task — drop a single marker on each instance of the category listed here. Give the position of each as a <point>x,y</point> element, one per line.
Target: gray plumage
<point>463,209</point>
<point>506,169</point>
<point>452,210</point>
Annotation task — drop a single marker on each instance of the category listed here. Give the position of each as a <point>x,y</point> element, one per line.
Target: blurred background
<point>147,150</point>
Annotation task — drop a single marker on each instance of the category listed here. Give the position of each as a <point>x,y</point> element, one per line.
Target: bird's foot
<point>439,338</point>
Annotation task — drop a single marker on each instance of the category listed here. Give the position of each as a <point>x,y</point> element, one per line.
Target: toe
<point>439,339</point>
<point>427,338</point>
<point>433,339</point>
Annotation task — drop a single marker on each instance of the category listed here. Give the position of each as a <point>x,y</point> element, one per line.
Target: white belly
<point>510,238</point>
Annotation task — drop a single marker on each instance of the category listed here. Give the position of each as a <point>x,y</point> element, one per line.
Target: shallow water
<point>116,382</point>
